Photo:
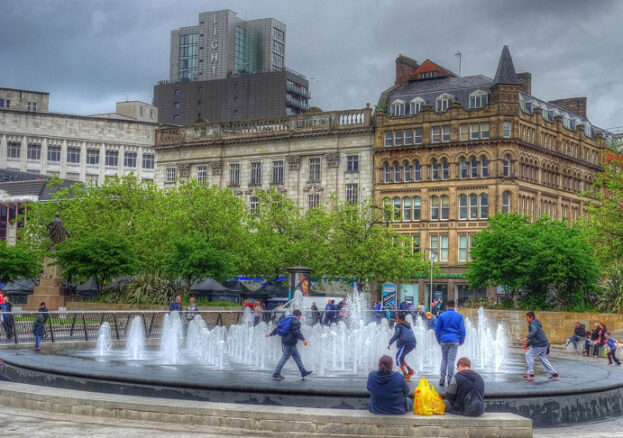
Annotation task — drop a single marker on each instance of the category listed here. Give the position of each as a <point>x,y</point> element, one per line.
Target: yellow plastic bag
<point>426,400</point>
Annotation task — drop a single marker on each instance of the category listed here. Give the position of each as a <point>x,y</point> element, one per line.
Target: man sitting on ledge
<point>466,391</point>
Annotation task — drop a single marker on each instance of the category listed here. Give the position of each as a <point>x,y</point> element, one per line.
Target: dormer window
<point>416,105</point>
<point>478,99</point>
<point>428,75</point>
<point>566,121</point>
<point>443,103</point>
<point>397,108</point>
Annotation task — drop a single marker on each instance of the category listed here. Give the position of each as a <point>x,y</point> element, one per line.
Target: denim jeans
<point>573,340</point>
<point>37,341</point>
<point>541,353</point>
<point>289,350</point>
<point>448,356</point>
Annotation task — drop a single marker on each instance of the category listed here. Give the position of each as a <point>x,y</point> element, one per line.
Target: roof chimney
<point>575,105</point>
<point>525,79</point>
<point>405,67</point>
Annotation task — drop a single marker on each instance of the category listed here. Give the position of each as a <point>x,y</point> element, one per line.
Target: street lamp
<point>433,256</point>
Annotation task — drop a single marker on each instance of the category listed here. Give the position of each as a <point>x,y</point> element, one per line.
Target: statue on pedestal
<point>58,232</point>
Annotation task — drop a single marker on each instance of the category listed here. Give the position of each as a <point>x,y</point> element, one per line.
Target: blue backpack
<point>283,328</point>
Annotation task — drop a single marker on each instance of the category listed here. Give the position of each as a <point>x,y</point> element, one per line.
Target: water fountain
<point>135,347</point>
<point>104,343</point>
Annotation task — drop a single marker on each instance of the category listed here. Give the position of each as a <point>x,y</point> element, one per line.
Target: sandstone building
<point>305,157</point>
<point>452,151</point>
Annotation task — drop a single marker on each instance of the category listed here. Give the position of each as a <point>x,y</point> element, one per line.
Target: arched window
<point>397,108</point>
<point>478,99</point>
<point>462,206</point>
<point>416,105</point>
<point>407,167</point>
<point>387,210</point>
<point>445,207</point>
<point>445,169</point>
<point>417,171</point>
<point>388,173</point>
<point>506,202</point>
<point>434,208</point>
<point>507,165</point>
<point>406,209</point>
<point>484,206</point>
<point>474,166</point>
<point>397,209</point>
<point>473,206</point>
<point>463,168</point>
<point>434,167</point>
<point>484,166</point>
<point>397,172</point>
<point>443,103</point>
<point>417,208</point>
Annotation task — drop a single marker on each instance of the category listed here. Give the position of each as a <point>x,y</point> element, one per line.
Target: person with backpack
<point>539,347</point>
<point>466,391</point>
<point>289,328</point>
<point>405,341</point>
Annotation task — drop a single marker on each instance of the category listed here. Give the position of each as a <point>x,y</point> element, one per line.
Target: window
<point>93,156</point>
<point>417,208</point>
<point>484,130</point>
<point>434,170</point>
<point>177,92</point>
<point>406,209</point>
<point>445,207</point>
<point>13,150</point>
<point>112,158</point>
<point>256,173</point>
<point>314,169</point>
<point>506,129</point>
<point>484,206</point>
<point>177,117</point>
<point>73,155</point>
<point>34,152</point>
<point>444,247</point>
<point>417,171</point>
<point>484,166</point>
<point>445,169</point>
<point>32,106</point>
<point>171,174</point>
<point>435,134</point>
<point>473,206</point>
<point>407,168</point>
<point>474,165</point>
<point>278,34</point>
<point>416,105</point>
<point>54,153</point>
<point>463,168</point>
<point>129,159</point>
<point>397,209</point>
<point>478,99</point>
<point>445,133</point>
<point>148,161</point>
<point>398,138</point>
<point>352,163</point>
<point>417,136</point>
<point>202,174</point>
<point>462,247</point>
<point>351,193</point>
<point>397,172</point>
<point>389,138</point>
<point>277,172</point>
<point>434,247</point>
<point>397,108</point>
<point>388,173</point>
<point>408,137</point>
<point>506,202</point>
<point>93,179</point>
<point>443,103</point>
<point>434,208</point>
<point>254,205</point>
<point>177,105</point>
<point>507,165</point>
<point>416,243</point>
<point>5,103</point>
<point>234,174</point>
<point>464,132</point>
<point>313,200</point>
<point>463,207</point>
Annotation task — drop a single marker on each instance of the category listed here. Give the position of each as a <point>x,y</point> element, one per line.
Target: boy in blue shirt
<point>613,344</point>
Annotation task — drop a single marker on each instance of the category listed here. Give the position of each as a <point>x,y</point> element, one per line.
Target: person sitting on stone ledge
<point>388,390</point>
<point>466,391</point>
<point>578,334</point>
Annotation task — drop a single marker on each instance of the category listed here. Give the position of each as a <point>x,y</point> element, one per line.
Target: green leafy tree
<point>192,258</point>
<point>610,295</point>
<point>17,262</point>
<point>103,257</point>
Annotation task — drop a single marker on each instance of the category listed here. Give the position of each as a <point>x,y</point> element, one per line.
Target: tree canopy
<point>17,262</point>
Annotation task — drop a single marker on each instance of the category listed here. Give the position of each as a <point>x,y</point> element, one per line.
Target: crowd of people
<point>595,342</point>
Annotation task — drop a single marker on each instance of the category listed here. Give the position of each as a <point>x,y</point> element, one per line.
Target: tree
<point>17,262</point>
<point>103,257</point>
<point>192,258</point>
<point>610,296</point>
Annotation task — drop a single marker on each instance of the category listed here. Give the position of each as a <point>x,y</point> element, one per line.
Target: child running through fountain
<point>289,328</point>
<point>405,341</point>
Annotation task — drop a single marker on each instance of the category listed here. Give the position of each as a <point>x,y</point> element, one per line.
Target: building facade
<point>452,151</point>
<point>79,148</point>
<point>24,100</point>
<point>305,157</point>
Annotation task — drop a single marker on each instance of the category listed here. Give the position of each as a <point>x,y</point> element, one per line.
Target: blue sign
<point>389,294</point>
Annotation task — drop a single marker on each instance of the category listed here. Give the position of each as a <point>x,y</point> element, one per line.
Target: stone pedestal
<point>49,289</point>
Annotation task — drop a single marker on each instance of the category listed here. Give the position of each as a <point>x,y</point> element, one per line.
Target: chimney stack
<point>576,105</point>
<point>405,67</point>
<point>525,79</point>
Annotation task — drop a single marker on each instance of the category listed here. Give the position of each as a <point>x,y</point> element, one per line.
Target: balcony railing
<point>299,90</point>
<point>300,103</point>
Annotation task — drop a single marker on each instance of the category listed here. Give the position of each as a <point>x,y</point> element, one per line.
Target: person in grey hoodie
<point>405,340</point>
<point>539,346</point>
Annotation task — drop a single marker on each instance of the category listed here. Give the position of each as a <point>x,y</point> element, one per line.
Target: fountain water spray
<point>104,343</point>
<point>135,346</point>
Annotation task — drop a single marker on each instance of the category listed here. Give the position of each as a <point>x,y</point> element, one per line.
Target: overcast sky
<point>90,54</point>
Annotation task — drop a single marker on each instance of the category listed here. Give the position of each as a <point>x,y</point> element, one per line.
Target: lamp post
<point>433,256</point>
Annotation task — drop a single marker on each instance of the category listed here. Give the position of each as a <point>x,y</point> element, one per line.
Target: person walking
<point>289,328</point>
<point>612,344</point>
<point>539,347</point>
<point>405,341</point>
<point>38,329</point>
<point>176,306</point>
<point>466,391</point>
<point>191,310</point>
<point>450,334</point>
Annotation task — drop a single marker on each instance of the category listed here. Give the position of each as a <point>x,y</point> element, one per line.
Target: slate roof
<point>505,73</point>
<point>25,184</point>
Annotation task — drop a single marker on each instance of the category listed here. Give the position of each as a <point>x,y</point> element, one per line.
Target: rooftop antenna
<point>460,56</point>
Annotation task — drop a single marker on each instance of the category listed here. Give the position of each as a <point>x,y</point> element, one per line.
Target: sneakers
<point>554,376</point>
<point>442,382</point>
<point>277,377</point>
<point>529,376</point>
<point>409,375</point>
<point>305,374</point>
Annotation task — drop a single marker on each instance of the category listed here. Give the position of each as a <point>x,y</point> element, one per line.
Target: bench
<point>262,419</point>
